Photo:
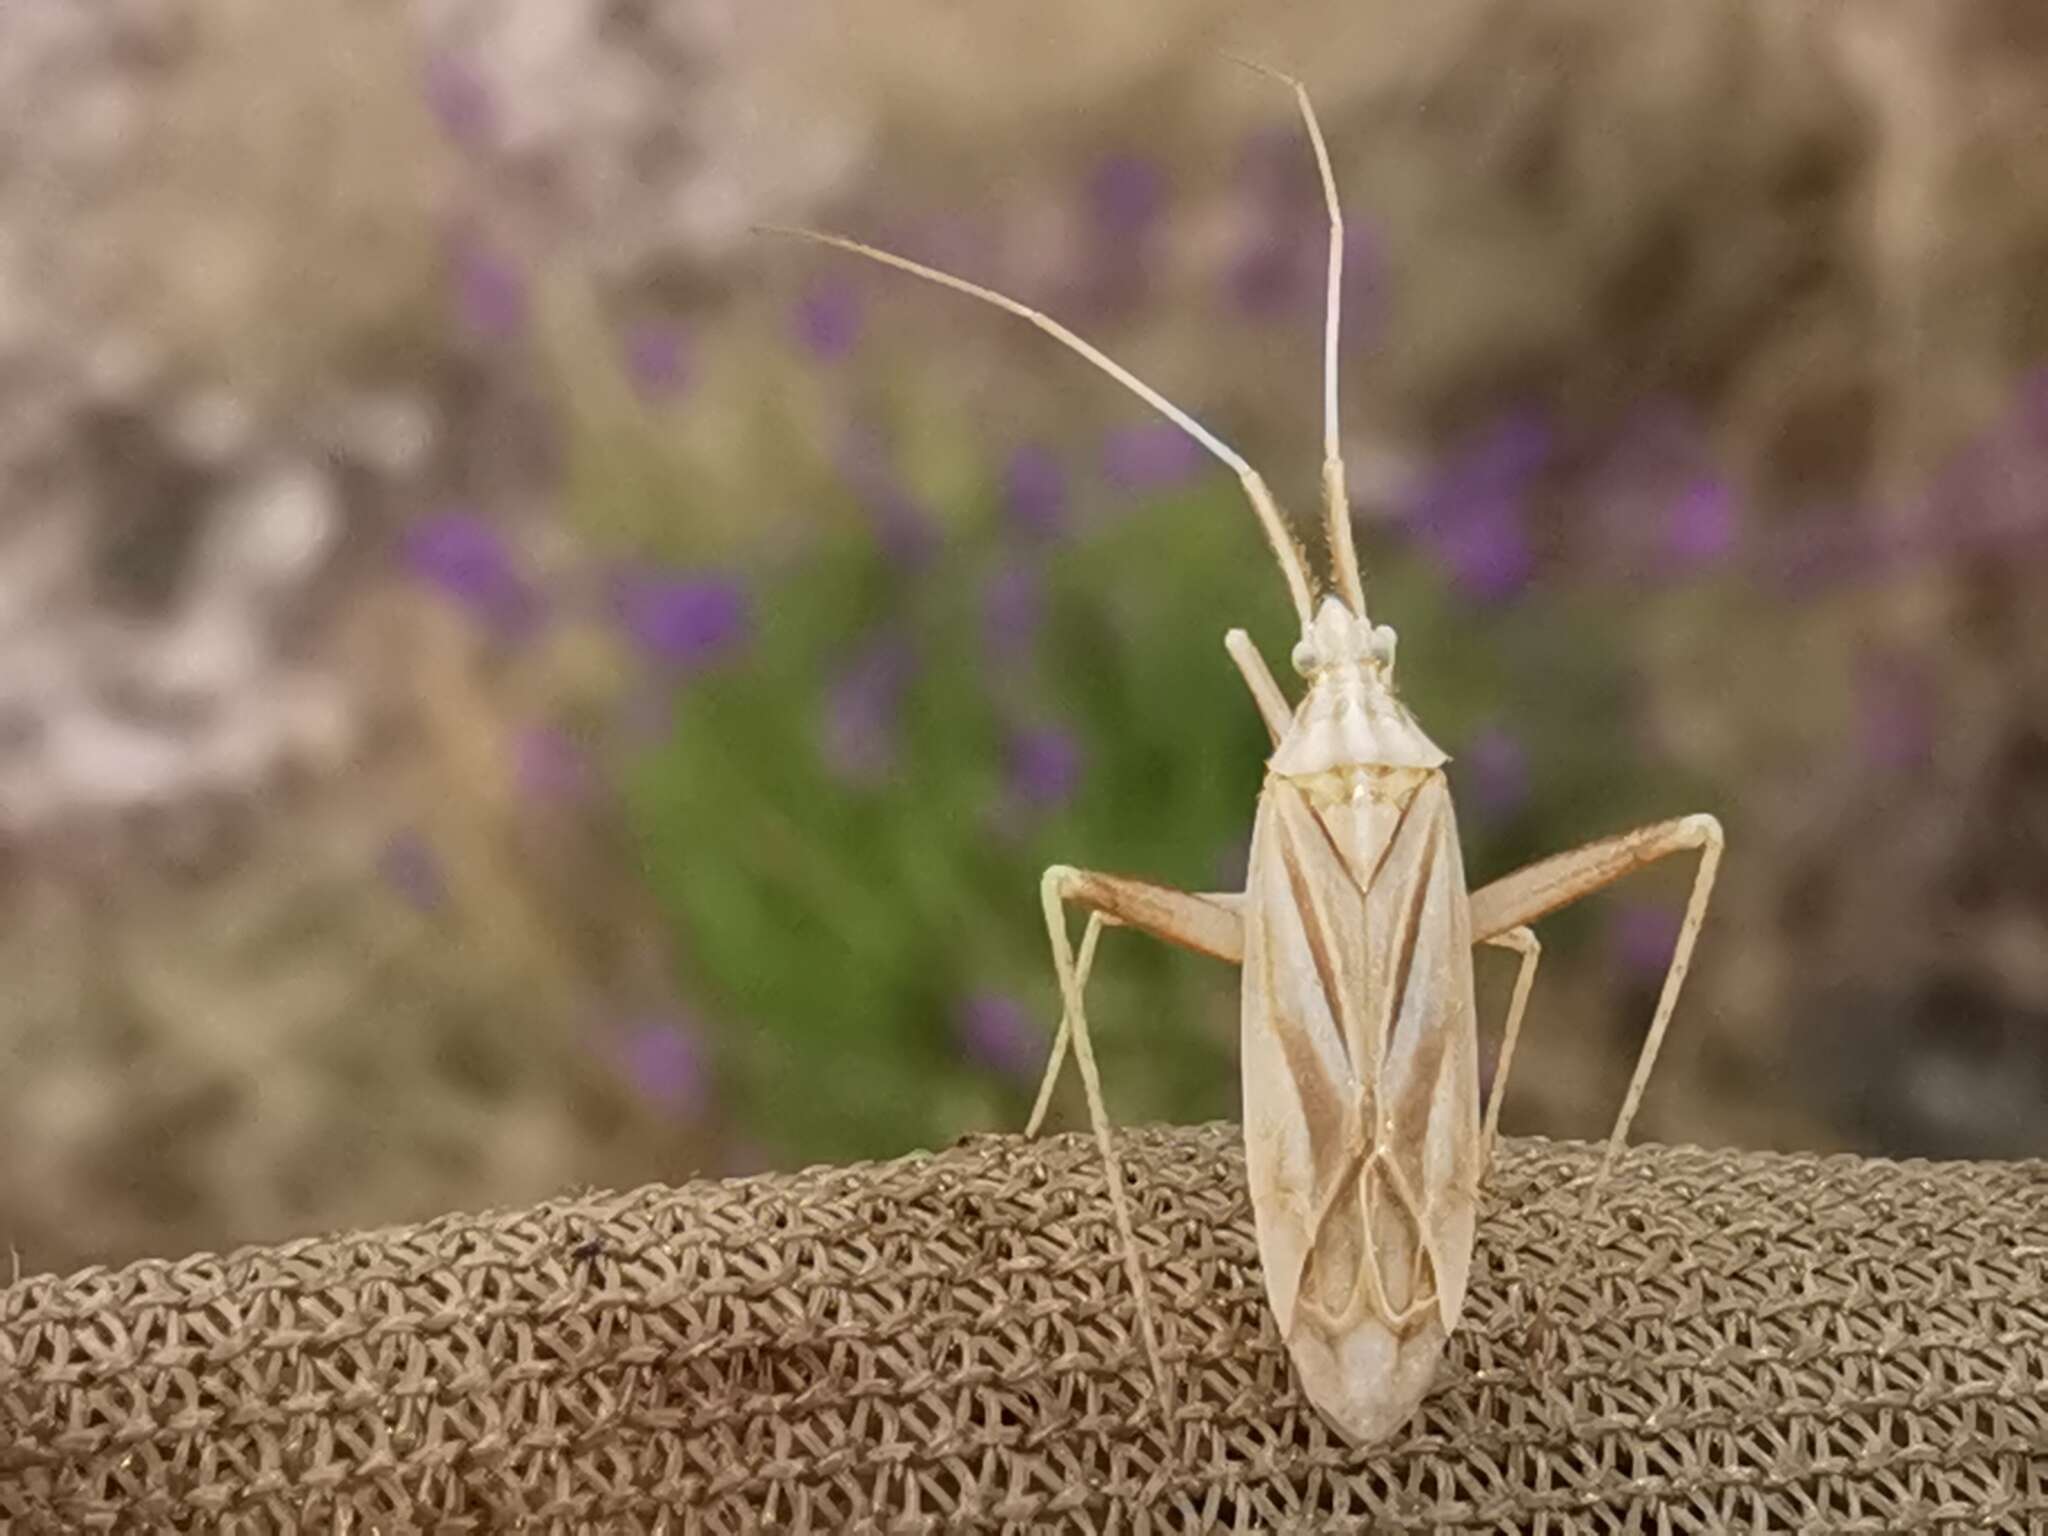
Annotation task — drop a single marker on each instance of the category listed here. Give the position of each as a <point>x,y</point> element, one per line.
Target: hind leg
<point>1209,924</point>
<point>1510,903</point>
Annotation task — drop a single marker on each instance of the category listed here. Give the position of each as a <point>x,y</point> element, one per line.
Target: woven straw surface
<point>946,1342</point>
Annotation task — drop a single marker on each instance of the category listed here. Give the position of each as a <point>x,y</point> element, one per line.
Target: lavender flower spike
<point>490,292</point>
<point>465,556</point>
<point>682,621</point>
<point>1497,766</point>
<point>409,865</point>
<point>551,768</point>
<point>997,1032</point>
<point>1035,492</point>
<point>1012,610</point>
<point>665,1061</point>
<point>861,710</point>
<point>459,101</point>
<point>1045,768</point>
<point>1152,456</point>
<point>1125,194</point>
<point>828,319</point>
<point>658,360</point>
<point>1701,523</point>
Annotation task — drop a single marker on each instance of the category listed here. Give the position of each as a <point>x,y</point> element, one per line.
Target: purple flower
<point>1895,706</point>
<point>682,621</point>
<point>1035,497</point>
<point>1643,937</point>
<point>1658,501</point>
<point>2030,405</point>
<point>410,866</point>
<point>1514,451</point>
<point>997,1032</point>
<point>901,522</point>
<point>1273,163</point>
<point>828,319</point>
<point>903,526</point>
<point>1488,550</point>
<point>1989,493</point>
<point>1823,547</point>
<point>551,768</point>
<point>862,706</point>
<point>1274,275</point>
<point>665,1061</point>
<point>490,292</point>
<point>1012,610</point>
<point>466,557</point>
<point>1150,457</point>
<point>1987,497</point>
<point>1045,768</point>
<point>1471,511</point>
<point>459,101</point>
<point>1271,276</point>
<point>658,360</point>
<point>1125,195</point>
<point>1280,266</point>
<point>1700,526</point>
<point>1497,768</point>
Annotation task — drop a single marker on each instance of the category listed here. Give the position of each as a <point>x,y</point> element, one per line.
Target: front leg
<point>1266,694</point>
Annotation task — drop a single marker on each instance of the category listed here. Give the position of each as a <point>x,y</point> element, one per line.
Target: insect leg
<point>1257,677</point>
<point>1082,966</point>
<point>1195,922</point>
<point>1550,883</point>
<point>1524,942</point>
<point>1206,923</point>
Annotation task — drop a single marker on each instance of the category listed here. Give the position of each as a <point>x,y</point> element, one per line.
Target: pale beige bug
<point>1364,1146</point>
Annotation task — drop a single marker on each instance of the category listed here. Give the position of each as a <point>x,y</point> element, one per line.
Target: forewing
<point>1299,1085</point>
<point>1357,1031</point>
<point>1420,930</point>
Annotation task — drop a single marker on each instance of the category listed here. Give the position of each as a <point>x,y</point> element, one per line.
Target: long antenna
<point>1292,566</point>
<point>1336,500</point>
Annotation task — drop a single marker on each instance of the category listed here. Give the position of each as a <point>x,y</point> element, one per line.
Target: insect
<point>1364,1142</point>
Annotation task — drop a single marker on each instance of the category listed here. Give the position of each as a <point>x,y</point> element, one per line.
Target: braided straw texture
<point>947,1342</point>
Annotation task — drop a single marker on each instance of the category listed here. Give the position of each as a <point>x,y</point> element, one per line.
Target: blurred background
<point>509,681</point>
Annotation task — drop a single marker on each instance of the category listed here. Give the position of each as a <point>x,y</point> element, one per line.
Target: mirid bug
<point>1364,1143</point>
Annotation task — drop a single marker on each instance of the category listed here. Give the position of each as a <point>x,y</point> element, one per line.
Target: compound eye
<point>1304,658</point>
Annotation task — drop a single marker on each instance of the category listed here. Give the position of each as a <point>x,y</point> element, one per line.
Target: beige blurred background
<point>508,680</point>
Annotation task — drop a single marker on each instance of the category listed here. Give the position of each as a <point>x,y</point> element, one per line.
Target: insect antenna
<point>1336,500</point>
<point>1292,565</point>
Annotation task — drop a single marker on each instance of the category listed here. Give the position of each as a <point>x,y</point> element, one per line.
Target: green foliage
<point>832,926</point>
